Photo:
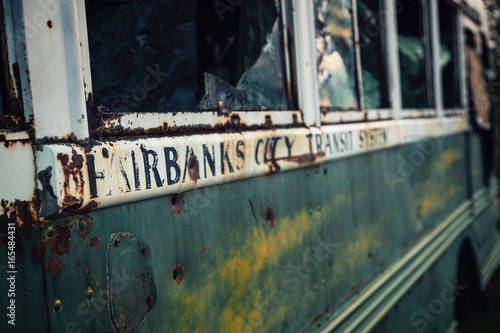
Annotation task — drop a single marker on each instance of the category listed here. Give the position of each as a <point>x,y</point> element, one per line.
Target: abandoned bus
<point>244,166</point>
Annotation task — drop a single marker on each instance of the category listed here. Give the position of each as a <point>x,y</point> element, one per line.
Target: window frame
<point>104,123</point>
<point>336,116</point>
<point>16,111</point>
<point>83,123</point>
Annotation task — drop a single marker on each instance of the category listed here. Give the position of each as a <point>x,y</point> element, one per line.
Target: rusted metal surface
<point>21,215</point>
<point>10,83</point>
<point>105,124</point>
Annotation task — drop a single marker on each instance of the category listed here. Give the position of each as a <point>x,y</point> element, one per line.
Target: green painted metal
<point>275,253</point>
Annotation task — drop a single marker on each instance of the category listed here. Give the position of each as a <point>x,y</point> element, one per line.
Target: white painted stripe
<point>135,169</point>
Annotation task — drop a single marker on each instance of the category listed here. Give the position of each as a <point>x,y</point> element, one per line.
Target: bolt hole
<point>49,24</point>
<point>143,251</point>
<point>178,274</point>
<point>83,226</point>
<point>177,203</point>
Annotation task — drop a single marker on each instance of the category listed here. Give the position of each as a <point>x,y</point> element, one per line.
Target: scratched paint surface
<point>273,253</point>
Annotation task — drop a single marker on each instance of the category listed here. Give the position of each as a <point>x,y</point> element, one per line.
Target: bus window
<point>335,54</point>
<point>414,60</point>
<point>372,50</point>
<point>187,55</point>
<point>448,61</point>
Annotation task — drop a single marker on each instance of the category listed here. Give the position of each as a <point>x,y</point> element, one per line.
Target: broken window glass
<point>416,80</point>
<point>187,55</point>
<point>448,60</point>
<point>335,54</point>
<point>372,51</point>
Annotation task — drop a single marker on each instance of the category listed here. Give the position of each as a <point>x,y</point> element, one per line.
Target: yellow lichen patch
<point>427,206</point>
<point>244,278</point>
<point>367,240</point>
<point>191,309</point>
<point>450,156</point>
<point>256,254</point>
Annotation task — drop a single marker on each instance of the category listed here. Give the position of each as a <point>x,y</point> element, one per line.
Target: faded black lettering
<point>171,157</point>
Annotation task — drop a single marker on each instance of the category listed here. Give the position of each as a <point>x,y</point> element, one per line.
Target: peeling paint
<point>23,215</point>
<point>55,266</point>
<point>60,243</point>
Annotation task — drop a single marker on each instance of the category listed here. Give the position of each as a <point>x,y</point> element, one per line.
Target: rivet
<point>57,306</point>
<point>50,232</point>
<point>82,225</point>
<point>89,294</point>
<point>307,173</point>
<point>143,250</point>
<point>323,281</point>
<point>310,211</point>
<point>315,287</point>
<point>319,208</point>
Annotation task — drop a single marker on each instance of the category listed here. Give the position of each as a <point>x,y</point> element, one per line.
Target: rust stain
<point>178,274</point>
<point>177,203</point>
<point>23,215</point>
<point>90,206</point>
<point>270,218</point>
<point>60,243</point>
<point>72,170</point>
<point>94,242</point>
<point>55,266</point>
<point>193,168</point>
<point>36,252</point>
<point>103,123</point>
<point>84,226</point>
<point>357,286</point>
<point>105,153</point>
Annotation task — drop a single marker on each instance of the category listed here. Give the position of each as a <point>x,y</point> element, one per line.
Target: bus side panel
<point>275,253</point>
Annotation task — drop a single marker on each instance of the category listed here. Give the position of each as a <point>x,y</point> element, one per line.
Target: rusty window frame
<point>114,124</point>
<point>15,111</point>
